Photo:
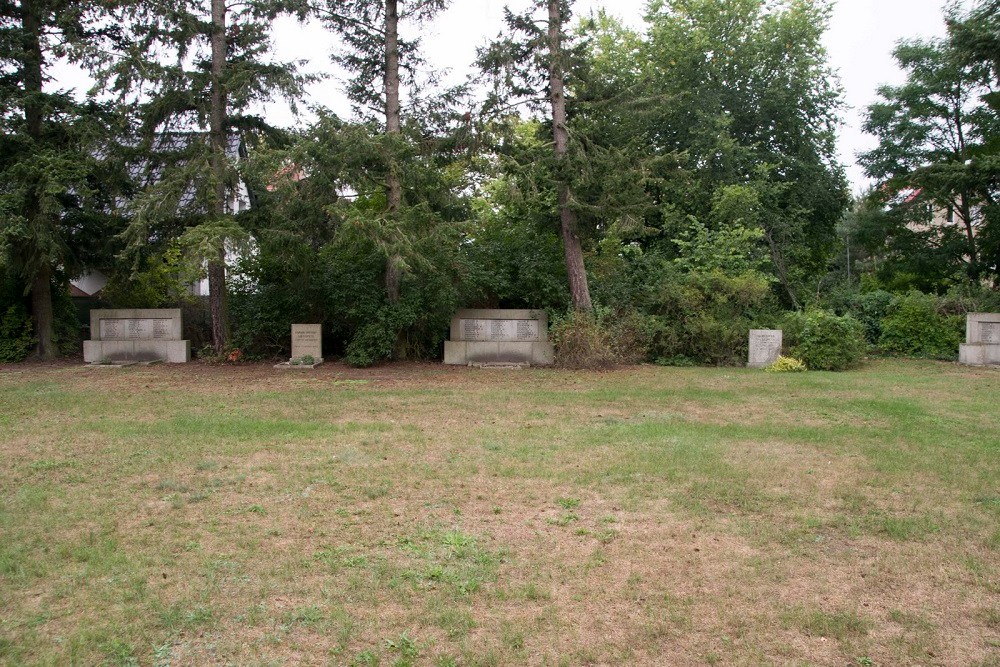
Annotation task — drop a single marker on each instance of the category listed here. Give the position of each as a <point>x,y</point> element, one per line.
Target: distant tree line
<point>670,186</point>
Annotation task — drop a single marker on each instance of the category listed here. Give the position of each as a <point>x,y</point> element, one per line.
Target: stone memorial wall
<point>765,347</point>
<point>136,335</point>
<point>499,336</point>
<point>982,340</point>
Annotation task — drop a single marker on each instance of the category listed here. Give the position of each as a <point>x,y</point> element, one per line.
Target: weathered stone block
<point>982,340</point>
<point>307,339</point>
<point>765,347</point>
<point>136,335</point>
<point>481,336</point>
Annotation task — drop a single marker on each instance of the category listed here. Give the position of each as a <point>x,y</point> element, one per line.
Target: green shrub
<point>706,317</point>
<point>15,335</point>
<point>965,298</point>
<point>870,309</point>
<point>67,327</point>
<point>915,327</point>
<point>829,342</point>
<point>786,365</point>
<point>160,282</point>
<point>599,339</point>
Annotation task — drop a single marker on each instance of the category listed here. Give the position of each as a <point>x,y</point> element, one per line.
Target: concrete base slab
<point>979,354</point>
<point>118,351</point>
<point>533,353</point>
<point>502,365</point>
<point>290,366</point>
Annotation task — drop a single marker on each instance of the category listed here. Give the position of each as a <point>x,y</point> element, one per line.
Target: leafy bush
<point>870,309</point>
<point>377,340</point>
<point>786,365</point>
<point>706,317</point>
<point>915,327</point>
<point>160,282</point>
<point>966,298</point>
<point>828,342</point>
<point>67,327</point>
<point>15,335</point>
<point>599,339</point>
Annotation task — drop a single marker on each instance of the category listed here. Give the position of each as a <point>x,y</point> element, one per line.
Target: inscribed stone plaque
<point>765,347</point>
<point>527,330</point>
<point>475,329</point>
<point>161,329</point>
<point>502,330</point>
<point>136,334</point>
<point>989,332</point>
<point>131,328</point>
<point>307,339</point>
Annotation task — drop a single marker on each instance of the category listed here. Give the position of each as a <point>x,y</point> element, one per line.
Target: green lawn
<point>418,514</point>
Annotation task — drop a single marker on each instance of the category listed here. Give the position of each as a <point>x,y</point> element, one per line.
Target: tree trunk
<point>575,268</point>
<point>41,288</point>
<point>779,265</point>
<point>217,137</point>
<point>218,303</point>
<point>965,212</point>
<point>393,125</point>
<point>41,313</point>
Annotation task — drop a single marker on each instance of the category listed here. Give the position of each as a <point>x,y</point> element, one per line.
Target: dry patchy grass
<point>416,514</point>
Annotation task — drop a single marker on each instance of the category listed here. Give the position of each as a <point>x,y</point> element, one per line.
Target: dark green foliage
<point>706,317</point>
<point>66,325</point>
<point>692,316</point>
<point>870,308</point>
<point>160,283</point>
<point>915,327</point>
<point>375,340</point>
<point>967,298</point>
<point>262,316</point>
<point>15,335</point>
<point>825,341</point>
<point>513,263</point>
<point>52,184</point>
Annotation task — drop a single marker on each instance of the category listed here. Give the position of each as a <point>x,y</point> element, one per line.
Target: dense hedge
<point>827,342</point>
<point>914,326</point>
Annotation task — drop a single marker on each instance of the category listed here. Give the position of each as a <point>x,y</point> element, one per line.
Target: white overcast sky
<point>860,40</point>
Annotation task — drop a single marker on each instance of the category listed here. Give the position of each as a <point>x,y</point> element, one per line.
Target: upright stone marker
<point>136,335</point>
<point>307,341</point>
<point>982,340</point>
<point>307,346</point>
<point>765,347</point>
<point>499,337</point>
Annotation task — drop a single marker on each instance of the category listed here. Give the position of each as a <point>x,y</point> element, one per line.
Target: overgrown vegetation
<point>677,231</point>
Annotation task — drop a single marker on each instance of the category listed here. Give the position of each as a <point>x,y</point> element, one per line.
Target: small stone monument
<point>499,337</point>
<point>765,347</point>
<point>307,346</point>
<point>982,340</point>
<point>131,335</point>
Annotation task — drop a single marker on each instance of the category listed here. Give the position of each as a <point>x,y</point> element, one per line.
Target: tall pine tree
<point>197,66</point>
<point>380,62</point>
<point>47,148</point>
<point>530,66</point>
